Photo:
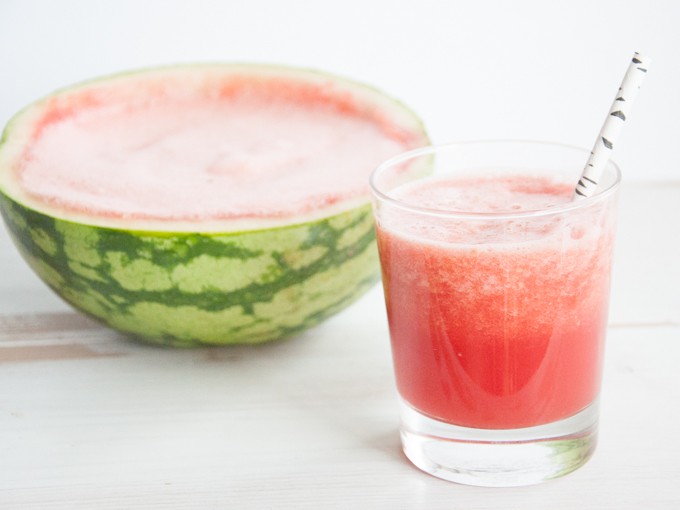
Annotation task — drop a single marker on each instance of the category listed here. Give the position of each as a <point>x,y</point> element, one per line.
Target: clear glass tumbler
<point>496,287</point>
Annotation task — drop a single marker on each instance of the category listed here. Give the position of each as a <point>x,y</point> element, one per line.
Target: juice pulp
<point>496,324</point>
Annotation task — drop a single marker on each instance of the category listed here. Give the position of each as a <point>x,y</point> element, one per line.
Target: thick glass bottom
<point>499,458</point>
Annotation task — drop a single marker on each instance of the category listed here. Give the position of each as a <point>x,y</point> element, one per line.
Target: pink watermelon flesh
<point>235,149</point>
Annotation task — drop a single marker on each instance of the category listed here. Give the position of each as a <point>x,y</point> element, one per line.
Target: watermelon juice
<point>496,335</point>
<point>496,287</point>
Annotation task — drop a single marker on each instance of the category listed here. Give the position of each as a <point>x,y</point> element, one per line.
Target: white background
<point>472,69</point>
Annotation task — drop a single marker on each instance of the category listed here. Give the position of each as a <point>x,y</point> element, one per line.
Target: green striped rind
<point>185,289</point>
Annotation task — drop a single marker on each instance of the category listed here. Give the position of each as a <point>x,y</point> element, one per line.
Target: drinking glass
<point>496,286</point>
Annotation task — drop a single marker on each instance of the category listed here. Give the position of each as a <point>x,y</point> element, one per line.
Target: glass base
<point>498,458</point>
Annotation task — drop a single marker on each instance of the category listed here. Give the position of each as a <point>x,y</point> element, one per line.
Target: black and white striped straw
<point>612,126</point>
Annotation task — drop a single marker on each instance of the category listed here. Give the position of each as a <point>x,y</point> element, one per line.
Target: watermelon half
<point>202,204</point>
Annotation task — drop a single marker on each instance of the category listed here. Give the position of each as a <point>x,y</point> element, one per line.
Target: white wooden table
<point>91,420</point>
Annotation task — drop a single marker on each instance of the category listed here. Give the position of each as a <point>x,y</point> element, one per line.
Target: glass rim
<point>600,194</point>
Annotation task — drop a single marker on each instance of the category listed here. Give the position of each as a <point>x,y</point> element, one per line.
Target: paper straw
<point>611,128</point>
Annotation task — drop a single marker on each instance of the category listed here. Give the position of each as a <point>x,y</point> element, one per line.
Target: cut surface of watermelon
<point>209,148</point>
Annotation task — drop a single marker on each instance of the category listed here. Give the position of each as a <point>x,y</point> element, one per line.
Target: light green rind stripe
<point>189,289</point>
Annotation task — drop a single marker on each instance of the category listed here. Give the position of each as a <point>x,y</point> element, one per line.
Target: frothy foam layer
<point>505,195</point>
<point>489,195</point>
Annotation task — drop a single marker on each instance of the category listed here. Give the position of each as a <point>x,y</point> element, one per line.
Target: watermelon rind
<point>185,289</point>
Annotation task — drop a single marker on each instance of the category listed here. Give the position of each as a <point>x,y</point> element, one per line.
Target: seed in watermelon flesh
<point>185,268</point>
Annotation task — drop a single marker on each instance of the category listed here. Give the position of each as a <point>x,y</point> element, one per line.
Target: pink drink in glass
<point>496,288</point>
